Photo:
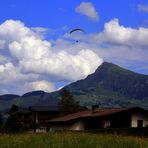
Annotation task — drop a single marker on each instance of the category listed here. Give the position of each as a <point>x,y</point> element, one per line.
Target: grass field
<point>71,140</point>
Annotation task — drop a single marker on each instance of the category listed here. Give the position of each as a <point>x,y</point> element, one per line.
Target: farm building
<point>101,118</point>
<point>37,114</point>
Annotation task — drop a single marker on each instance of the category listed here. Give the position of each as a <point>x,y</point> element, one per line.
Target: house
<point>101,118</point>
<point>35,115</point>
<point>43,113</point>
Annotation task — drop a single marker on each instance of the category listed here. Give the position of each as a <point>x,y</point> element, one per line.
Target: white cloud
<point>29,48</point>
<point>14,30</point>
<point>88,9</point>
<point>11,74</point>
<point>119,44</point>
<point>32,58</point>
<point>7,66</point>
<point>36,55</point>
<point>115,33</point>
<point>29,62</point>
<point>143,8</point>
<point>40,85</point>
<point>4,59</point>
<point>64,66</point>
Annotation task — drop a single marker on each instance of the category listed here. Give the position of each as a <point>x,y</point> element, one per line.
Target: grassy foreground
<point>71,140</point>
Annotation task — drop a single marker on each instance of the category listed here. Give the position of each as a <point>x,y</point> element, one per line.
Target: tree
<point>13,123</point>
<point>67,103</point>
<point>14,108</point>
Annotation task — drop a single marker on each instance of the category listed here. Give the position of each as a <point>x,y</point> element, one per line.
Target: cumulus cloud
<point>115,33</point>
<point>4,59</point>
<point>143,8</point>
<point>30,62</point>
<point>88,9</point>
<point>63,65</point>
<point>29,48</point>
<point>12,30</point>
<point>40,85</point>
<point>10,74</point>
<point>32,58</point>
<point>117,43</point>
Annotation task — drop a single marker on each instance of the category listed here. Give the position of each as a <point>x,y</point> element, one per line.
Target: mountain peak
<point>108,65</point>
<point>105,68</point>
<point>112,81</point>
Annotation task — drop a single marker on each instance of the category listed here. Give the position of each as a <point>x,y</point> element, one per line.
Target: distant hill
<point>34,93</point>
<point>8,97</point>
<point>28,99</point>
<point>110,86</point>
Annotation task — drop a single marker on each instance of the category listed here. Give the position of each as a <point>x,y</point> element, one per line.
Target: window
<point>139,123</point>
<point>106,124</point>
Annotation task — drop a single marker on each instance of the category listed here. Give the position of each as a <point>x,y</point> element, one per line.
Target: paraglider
<point>77,29</point>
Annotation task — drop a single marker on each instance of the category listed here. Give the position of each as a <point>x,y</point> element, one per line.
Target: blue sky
<point>40,13</point>
<point>37,51</point>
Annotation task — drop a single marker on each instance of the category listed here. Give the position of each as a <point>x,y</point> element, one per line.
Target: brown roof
<point>88,113</point>
<point>44,108</point>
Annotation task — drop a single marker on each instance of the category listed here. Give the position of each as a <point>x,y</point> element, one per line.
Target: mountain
<point>8,97</point>
<point>110,86</point>
<point>29,99</point>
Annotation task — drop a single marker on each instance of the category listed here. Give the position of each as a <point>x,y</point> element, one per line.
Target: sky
<point>37,51</point>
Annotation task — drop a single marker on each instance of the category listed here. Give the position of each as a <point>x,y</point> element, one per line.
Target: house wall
<point>79,125</point>
<point>41,130</point>
<point>139,116</point>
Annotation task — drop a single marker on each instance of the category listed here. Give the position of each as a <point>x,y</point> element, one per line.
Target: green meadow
<point>71,140</point>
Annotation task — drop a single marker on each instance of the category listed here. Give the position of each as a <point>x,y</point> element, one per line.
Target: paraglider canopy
<point>77,29</point>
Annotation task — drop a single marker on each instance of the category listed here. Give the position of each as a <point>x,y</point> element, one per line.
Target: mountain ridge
<point>111,82</point>
<point>110,85</point>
